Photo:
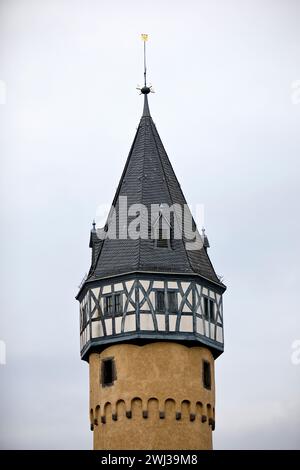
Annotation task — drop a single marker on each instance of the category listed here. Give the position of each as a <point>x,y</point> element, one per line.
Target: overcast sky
<point>227,109</point>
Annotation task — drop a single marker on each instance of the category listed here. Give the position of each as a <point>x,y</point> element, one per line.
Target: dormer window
<point>161,232</point>
<point>163,239</point>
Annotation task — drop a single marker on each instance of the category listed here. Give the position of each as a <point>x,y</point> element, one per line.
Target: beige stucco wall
<point>157,401</point>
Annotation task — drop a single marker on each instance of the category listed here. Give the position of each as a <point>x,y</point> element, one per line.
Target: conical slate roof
<point>148,178</point>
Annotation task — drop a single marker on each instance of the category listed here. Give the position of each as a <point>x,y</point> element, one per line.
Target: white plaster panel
<point>146,322</point>
<point>106,289</point>
<point>172,285</point>
<point>145,284</point>
<point>108,326</point>
<point>186,308</point>
<point>96,291</point>
<point>96,329</point>
<point>186,323</point>
<point>206,328</point>
<point>96,313</point>
<point>204,291</point>
<point>118,323</point>
<point>199,325</point>
<point>118,287</point>
<point>129,284</point>
<point>158,284</point>
<point>212,294</point>
<point>219,334</point>
<point>161,322</point>
<point>130,308</point>
<point>184,286</point>
<point>152,298</point>
<point>145,305</point>
<point>130,323</point>
<point>172,322</point>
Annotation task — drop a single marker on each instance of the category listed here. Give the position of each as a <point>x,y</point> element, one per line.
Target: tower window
<point>84,316</point>
<point>172,301</point>
<point>173,304</point>
<point>117,299</point>
<point>112,304</point>
<point>206,375</point>
<point>160,301</point>
<point>212,310</point>
<point>206,308</point>
<point>108,304</point>
<point>209,309</point>
<point>108,372</point>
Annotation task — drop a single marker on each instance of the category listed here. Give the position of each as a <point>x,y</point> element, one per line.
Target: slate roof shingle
<point>148,178</point>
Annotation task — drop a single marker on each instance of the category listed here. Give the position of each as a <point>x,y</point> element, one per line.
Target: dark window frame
<point>175,293</point>
<point>158,304</point>
<point>157,233</point>
<point>161,241</point>
<point>113,310</point>
<point>85,316</point>
<point>209,308</point>
<point>117,305</point>
<point>206,374</point>
<point>108,377</point>
<point>161,307</point>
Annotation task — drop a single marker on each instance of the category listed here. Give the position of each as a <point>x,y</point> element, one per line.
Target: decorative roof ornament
<point>145,89</point>
<point>205,239</point>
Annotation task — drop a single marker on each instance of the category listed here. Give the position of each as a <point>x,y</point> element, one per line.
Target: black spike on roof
<point>148,178</point>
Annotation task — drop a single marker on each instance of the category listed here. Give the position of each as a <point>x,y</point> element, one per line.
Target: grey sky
<point>223,74</point>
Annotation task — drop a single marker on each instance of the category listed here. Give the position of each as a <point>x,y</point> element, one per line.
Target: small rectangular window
<point>160,301</point>
<point>206,308</point>
<point>108,304</point>
<point>173,304</point>
<point>163,240</point>
<point>117,303</point>
<point>206,375</point>
<point>108,375</point>
<point>212,310</point>
<point>84,316</point>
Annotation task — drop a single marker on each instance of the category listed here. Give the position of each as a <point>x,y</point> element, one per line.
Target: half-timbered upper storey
<point>150,276</point>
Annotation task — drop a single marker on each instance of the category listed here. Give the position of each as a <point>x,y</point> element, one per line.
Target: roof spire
<point>146,89</point>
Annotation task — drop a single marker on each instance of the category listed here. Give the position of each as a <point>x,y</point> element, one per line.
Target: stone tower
<point>151,321</point>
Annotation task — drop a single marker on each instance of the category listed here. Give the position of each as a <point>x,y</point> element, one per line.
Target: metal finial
<point>145,89</point>
<point>145,39</point>
<point>94,225</point>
